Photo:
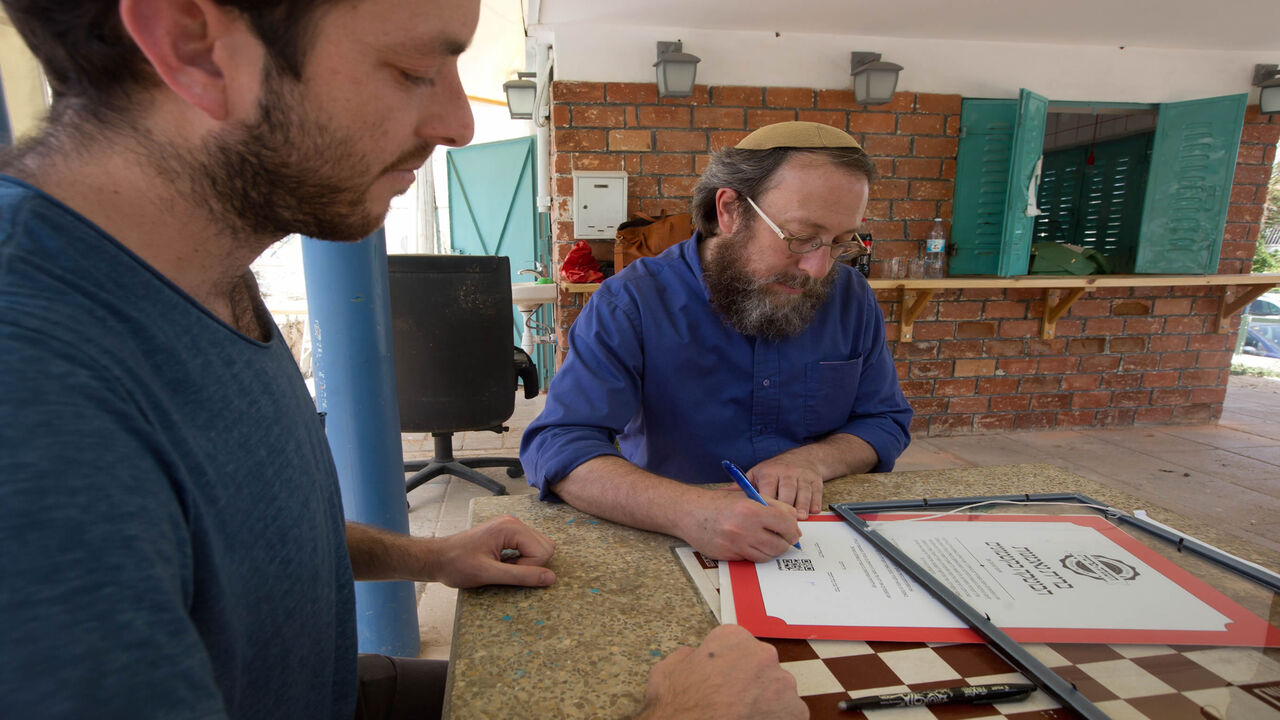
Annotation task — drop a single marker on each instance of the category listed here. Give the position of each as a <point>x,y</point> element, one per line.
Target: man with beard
<point>174,543</point>
<point>748,342</point>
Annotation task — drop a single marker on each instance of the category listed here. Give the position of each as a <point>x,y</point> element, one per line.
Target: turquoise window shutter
<point>1060,180</point>
<point>1192,166</point>
<point>1096,206</point>
<point>1111,199</point>
<point>1028,142</point>
<point>982,179</point>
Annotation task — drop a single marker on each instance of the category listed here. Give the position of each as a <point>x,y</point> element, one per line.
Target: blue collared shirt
<point>652,365</point>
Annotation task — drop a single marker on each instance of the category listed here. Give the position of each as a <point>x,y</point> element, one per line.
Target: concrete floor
<point>1226,474</point>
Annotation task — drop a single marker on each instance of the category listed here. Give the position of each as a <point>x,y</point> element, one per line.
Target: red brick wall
<point>977,364</point>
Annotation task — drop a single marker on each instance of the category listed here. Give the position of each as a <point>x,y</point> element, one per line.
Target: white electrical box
<point>599,203</point>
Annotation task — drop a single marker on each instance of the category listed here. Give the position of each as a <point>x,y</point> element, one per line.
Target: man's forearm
<point>721,525</point>
<point>614,489</point>
<point>836,455</point>
<point>378,554</point>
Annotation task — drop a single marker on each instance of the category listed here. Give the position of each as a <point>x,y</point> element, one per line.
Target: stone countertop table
<point>582,648</point>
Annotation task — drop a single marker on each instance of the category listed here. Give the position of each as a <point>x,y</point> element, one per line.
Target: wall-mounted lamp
<point>1267,78</point>
<point>521,95</point>
<point>676,70</point>
<point>874,82</point>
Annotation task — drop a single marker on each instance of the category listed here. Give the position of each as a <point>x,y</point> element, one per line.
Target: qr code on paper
<point>801,564</point>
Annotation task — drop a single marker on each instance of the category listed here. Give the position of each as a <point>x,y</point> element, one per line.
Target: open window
<point>1145,186</point>
<point>1093,181</point>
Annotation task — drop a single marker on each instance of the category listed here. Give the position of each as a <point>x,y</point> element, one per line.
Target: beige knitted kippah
<point>797,134</point>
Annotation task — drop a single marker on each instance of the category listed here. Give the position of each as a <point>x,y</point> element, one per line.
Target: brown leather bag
<point>645,236</point>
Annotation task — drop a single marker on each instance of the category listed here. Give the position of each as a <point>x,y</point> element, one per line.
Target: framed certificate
<point>1249,590</point>
<point>1041,578</point>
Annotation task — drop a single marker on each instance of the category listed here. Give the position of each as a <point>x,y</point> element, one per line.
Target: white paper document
<point>1022,574</point>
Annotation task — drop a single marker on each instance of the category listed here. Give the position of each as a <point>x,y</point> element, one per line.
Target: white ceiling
<point>497,50</point>
<point>1187,24</point>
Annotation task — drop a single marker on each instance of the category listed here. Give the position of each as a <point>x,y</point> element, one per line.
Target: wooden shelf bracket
<point>1227,308</point>
<point>1053,311</point>
<point>911,311</point>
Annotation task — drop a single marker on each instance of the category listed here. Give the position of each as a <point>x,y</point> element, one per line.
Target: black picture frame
<point>1008,648</point>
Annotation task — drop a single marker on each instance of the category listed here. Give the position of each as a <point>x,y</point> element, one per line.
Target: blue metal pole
<point>6,127</point>
<point>349,304</point>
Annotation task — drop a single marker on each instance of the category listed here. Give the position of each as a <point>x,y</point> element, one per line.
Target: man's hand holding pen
<point>731,526</point>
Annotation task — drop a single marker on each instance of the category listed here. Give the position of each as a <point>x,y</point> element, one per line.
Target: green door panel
<point>1028,142</point>
<point>492,212</point>
<point>491,205</point>
<point>1193,162</point>
<point>982,179</point>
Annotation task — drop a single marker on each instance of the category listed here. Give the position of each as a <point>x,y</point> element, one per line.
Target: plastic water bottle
<point>935,251</point>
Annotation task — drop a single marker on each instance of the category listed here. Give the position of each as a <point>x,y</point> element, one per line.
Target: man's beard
<point>748,305</point>
<point>286,172</point>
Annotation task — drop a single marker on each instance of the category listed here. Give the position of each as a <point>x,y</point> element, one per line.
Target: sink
<point>528,296</point>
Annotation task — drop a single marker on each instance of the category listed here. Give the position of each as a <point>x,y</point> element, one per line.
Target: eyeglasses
<point>802,244</point>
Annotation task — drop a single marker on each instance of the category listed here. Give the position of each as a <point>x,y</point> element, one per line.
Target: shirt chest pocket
<point>829,390</point>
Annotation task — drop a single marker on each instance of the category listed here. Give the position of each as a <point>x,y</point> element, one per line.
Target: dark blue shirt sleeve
<point>592,397</point>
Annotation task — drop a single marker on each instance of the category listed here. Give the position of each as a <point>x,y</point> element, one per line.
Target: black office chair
<point>456,368</point>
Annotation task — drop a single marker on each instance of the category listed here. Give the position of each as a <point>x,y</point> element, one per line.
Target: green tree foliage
<point>1271,212</point>
<point>1263,261</point>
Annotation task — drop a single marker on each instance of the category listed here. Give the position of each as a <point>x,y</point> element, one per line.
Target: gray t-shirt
<point>171,528</point>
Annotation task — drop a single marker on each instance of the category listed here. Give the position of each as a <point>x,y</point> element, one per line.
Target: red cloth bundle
<point>581,266</point>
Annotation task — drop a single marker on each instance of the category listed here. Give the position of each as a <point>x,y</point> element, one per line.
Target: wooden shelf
<point>916,293</point>
<point>1071,281</point>
<point>1060,292</point>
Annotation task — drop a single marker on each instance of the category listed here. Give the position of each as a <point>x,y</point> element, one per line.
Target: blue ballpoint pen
<point>746,485</point>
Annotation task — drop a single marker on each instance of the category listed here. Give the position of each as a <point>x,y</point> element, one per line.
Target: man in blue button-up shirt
<point>748,342</point>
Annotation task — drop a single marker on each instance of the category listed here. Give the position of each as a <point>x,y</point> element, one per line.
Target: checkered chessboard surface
<point>1127,682</point>
<point>1155,682</point>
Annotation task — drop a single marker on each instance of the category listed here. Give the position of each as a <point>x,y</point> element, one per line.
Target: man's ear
<point>181,40</point>
<point>727,210</point>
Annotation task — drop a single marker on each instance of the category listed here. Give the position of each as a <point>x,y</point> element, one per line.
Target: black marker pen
<point>973,695</point>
